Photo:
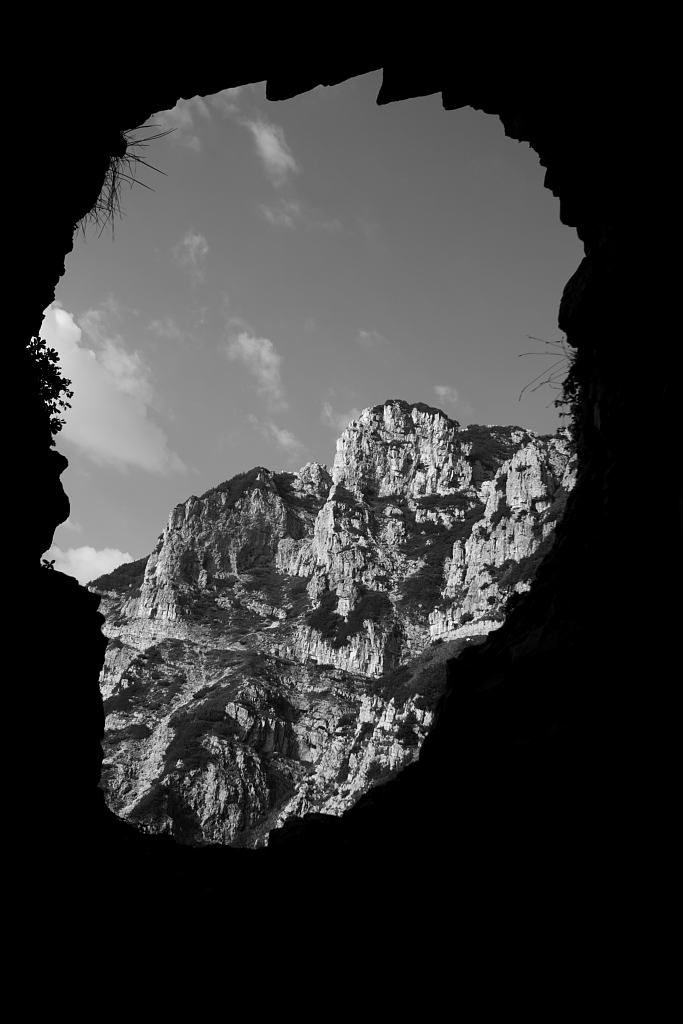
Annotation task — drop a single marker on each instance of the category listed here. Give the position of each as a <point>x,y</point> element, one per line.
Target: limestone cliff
<point>277,652</point>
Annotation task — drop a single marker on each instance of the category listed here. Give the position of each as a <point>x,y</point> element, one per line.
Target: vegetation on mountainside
<point>454,500</point>
<point>151,680</point>
<point>266,581</point>
<point>262,584</point>
<point>512,572</point>
<point>409,406</point>
<point>557,509</point>
<point>491,446</point>
<point>192,722</point>
<point>405,733</point>
<point>237,485</point>
<point>125,579</point>
<point>372,604</point>
<point>424,678</point>
<point>210,719</point>
<point>430,539</point>
<point>285,488</point>
<point>502,512</point>
<point>432,542</point>
<point>144,692</point>
<point>154,803</point>
<point>136,731</point>
<point>346,497</point>
<point>375,771</point>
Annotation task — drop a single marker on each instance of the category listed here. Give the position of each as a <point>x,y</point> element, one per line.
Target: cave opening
<point>96,345</point>
<point>548,744</point>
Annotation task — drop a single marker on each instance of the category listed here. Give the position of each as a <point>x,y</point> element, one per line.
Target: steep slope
<point>258,658</point>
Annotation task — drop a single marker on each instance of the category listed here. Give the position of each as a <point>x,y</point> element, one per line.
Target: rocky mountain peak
<point>398,448</point>
<point>280,613</point>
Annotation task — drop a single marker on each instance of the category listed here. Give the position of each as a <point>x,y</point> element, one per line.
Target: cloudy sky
<point>298,262</point>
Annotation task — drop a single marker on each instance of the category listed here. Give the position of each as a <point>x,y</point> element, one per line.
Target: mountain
<point>282,648</point>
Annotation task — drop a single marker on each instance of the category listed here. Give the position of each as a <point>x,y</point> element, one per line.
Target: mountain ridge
<point>267,638</point>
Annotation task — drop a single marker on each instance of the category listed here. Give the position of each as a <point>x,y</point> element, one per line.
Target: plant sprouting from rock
<point>120,169</point>
<point>47,382</point>
<point>567,385</point>
<point>558,368</point>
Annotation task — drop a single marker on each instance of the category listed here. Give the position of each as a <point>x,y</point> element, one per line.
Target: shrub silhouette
<point>374,772</point>
<point>405,733</point>
<point>45,382</point>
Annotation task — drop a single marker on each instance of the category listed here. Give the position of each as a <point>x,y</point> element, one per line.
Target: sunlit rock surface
<point>282,648</point>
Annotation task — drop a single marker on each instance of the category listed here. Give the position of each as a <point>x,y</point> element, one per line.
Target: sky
<point>296,262</point>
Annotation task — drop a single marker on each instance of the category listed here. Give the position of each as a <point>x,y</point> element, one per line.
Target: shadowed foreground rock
<point>545,769</point>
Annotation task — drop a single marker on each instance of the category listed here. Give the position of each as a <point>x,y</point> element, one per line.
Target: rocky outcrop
<point>220,746</point>
<point>227,531</point>
<point>401,449</point>
<point>250,676</point>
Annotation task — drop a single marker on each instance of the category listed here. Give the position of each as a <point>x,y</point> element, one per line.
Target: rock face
<point>283,647</point>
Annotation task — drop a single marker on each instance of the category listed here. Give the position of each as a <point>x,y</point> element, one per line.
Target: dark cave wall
<point>542,741</point>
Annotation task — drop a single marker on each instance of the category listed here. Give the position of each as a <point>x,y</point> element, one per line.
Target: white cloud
<point>446,394</point>
<point>126,369</point>
<point>262,360</point>
<point>288,211</point>
<point>181,119</point>
<point>86,563</point>
<point>338,420</point>
<point>330,225</point>
<point>283,438</point>
<point>273,150</point>
<point>114,307</point>
<point>371,339</point>
<point>167,328</point>
<point>71,524</point>
<point>191,251</point>
<point>225,100</point>
<point>108,419</point>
